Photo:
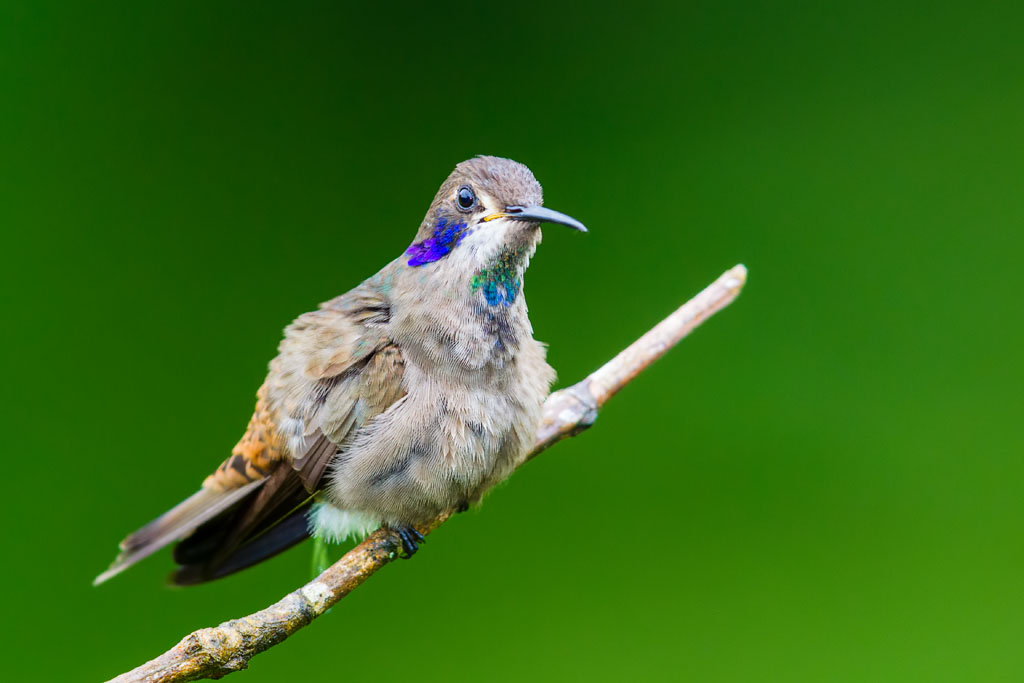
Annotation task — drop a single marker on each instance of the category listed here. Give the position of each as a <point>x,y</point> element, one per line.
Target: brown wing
<point>336,370</point>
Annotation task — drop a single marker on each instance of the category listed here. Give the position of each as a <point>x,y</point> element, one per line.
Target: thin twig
<point>216,652</point>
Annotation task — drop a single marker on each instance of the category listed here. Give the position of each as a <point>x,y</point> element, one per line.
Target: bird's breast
<point>445,442</point>
<point>463,336</point>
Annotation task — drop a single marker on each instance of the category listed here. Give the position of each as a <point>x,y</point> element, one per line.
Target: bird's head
<point>488,207</point>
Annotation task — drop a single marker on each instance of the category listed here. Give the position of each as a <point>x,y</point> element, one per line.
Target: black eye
<point>465,198</point>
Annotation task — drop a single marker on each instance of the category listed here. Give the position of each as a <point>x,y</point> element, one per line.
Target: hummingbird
<point>412,394</point>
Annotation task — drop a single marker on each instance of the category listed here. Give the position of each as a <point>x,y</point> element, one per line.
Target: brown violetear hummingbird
<point>412,394</point>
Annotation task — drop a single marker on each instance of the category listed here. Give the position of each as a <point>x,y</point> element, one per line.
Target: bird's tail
<point>174,525</point>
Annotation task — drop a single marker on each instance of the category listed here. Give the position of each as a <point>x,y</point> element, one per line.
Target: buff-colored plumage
<point>411,394</point>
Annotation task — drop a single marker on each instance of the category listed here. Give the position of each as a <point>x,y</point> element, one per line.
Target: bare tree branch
<point>216,652</point>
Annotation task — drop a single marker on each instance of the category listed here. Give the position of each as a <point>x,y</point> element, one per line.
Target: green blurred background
<point>822,484</point>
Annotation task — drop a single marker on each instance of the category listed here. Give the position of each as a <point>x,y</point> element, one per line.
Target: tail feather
<point>270,521</point>
<point>174,525</point>
<point>283,535</point>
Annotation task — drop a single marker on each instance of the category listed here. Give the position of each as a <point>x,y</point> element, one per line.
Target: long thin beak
<point>542,215</point>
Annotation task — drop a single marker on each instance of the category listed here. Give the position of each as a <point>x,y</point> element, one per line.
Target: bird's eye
<point>465,198</point>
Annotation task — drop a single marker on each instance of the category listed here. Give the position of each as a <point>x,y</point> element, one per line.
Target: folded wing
<point>336,370</point>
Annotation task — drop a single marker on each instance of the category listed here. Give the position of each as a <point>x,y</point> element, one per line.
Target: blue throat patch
<point>447,236</point>
<point>499,281</point>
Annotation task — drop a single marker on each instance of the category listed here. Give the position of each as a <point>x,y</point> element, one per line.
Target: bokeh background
<point>821,484</point>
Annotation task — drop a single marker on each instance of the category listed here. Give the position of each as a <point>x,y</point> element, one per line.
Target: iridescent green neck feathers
<point>502,279</point>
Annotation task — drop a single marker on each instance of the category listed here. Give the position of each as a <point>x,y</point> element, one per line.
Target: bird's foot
<point>462,507</point>
<point>410,539</point>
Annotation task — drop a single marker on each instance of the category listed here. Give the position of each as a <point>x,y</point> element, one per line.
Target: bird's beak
<point>539,214</point>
